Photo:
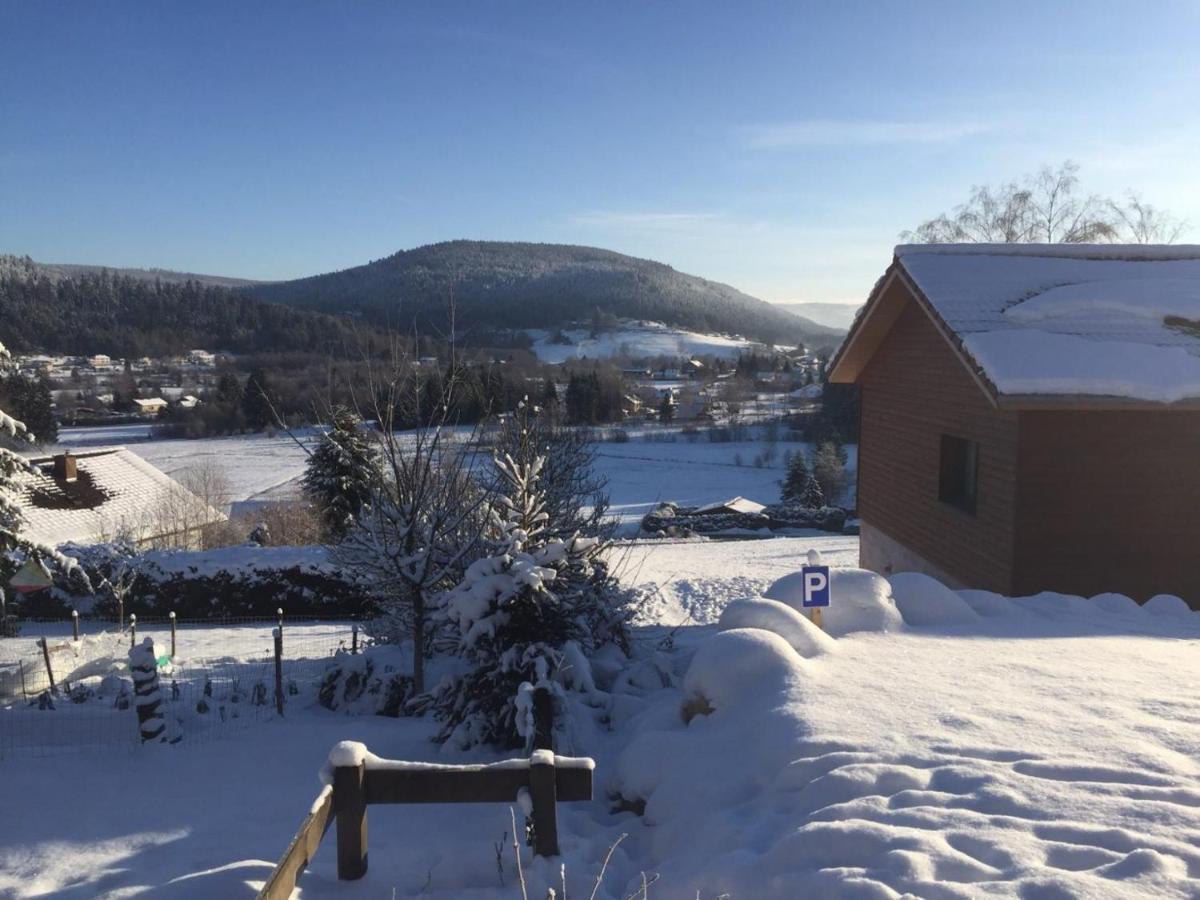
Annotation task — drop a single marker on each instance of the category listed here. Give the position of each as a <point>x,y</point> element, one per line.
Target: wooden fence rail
<point>549,779</point>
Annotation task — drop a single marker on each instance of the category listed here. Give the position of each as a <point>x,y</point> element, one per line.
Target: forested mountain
<point>498,285</point>
<point>81,310</point>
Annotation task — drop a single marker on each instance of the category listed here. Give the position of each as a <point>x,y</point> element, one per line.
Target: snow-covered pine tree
<point>12,433</point>
<point>340,475</point>
<point>796,479</point>
<point>812,496</point>
<point>526,616</point>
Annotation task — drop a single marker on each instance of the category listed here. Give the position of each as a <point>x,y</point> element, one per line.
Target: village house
<point>109,493</point>
<point>150,406</point>
<point>1030,417</point>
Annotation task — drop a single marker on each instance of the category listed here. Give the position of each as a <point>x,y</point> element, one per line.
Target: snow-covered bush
<point>147,694</point>
<point>860,600</point>
<point>771,615</point>
<point>735,665</point>
<point>203,584</point>
<point>925,601</point>
<point>526,616</point>
<point>372,682</point>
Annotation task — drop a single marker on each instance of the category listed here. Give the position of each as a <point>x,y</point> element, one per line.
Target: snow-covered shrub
<point>925,601</point>
<point>860,600</point>
<point>143,666</point>
<point>987,603</point>
<point>528,614</point>
<point>366,683</point>
<point>734,666</point>
<point>1118,604</point>
<point>202,584</point>
<point>771,615</point>
<point>1166,605</point>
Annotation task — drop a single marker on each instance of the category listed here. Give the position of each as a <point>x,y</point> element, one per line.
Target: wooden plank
<point>543,795</point>
<point>471,784</point>
<point>300,851</point>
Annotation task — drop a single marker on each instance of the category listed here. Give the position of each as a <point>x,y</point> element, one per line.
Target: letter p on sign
<point>816,586</point>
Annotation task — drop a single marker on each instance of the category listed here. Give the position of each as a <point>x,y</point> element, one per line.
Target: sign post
<point>816,591</point>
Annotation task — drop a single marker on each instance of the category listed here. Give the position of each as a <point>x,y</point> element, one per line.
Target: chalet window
<point>958,476</point>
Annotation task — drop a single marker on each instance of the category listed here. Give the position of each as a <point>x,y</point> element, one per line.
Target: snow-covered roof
<point>737,504</point>
<point>116,493</point>
<point>1069,320</point>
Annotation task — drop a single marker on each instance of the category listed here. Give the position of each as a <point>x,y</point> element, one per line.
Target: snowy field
<point>641,473</point>
<point>1040,748</point>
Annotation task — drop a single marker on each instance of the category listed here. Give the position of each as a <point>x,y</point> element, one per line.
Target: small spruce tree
<point>812,496</point>
<point>795,480</point>
<point>340,475</point>
<point>525,616</point>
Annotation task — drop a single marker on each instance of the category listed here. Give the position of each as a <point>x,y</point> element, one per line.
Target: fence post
<point>171,616</point>
<point>350,805</point>
<point>279,670</point>
<point>132,630</point>
<point>49,671</point>
<point>353,638</point>
<point>75,623</point>
<point>543,720</point>
<point>543,793</point>
<point>121,613</point>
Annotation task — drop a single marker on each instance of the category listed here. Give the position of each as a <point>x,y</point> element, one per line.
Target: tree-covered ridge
<point>130,317</point>
<point>522,285</point>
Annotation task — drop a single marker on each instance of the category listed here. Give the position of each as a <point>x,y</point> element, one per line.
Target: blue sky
<point>780,147</point>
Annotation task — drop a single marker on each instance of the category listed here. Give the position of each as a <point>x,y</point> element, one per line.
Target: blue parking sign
<point>816,586</point>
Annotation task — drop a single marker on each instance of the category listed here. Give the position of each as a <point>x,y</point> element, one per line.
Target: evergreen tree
<point>340,475</point>
<point>796,479</point>
<point>257,401</point>
<point>666,409</point>
<point>812,496</point>
<point>12,433</point>
<point>829,470</point>
<point>526,616</point>
<point>31,403</point>
<point>229,389</point>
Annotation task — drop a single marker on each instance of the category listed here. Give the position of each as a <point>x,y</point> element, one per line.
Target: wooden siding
<point>914,389</point>
<point>1108,501</point>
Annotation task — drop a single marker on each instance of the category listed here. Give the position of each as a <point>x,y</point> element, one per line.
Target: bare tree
<point>427,514</point>
<point>1047,207</point>
<point>1146,224</point>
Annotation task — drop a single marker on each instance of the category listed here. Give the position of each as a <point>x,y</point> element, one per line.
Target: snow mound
<point>738,665</point>
<point>779,618</point>
<point>1054,605</point>
<point>1116,604</point>
<point>859,601</point>
<point>988,604</point>
<point>1167,605</point>
<point>926,601</point>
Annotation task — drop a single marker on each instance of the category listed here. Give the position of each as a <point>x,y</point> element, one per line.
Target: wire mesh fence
<point>60,693</point>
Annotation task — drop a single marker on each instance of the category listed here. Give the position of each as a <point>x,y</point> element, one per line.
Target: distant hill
<point>497,285</point>
<point>59,271</point>
<point>79,310</point>
<point>831,315</point>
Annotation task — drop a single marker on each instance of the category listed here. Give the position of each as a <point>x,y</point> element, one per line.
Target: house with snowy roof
<point>1030,417</point>
<point>107,493</point>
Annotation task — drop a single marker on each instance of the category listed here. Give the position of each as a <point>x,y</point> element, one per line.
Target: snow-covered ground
<point>1038,748</point>
<point>641,473</point>
<point>639,341</point>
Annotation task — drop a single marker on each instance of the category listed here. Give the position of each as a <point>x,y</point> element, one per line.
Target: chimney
<point>65,468</point>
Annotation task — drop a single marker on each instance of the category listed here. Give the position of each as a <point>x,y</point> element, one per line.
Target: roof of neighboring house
<point>150,401</point>
<point>116,493</point>
<point>1050,322</point>
<point>737,504</point>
